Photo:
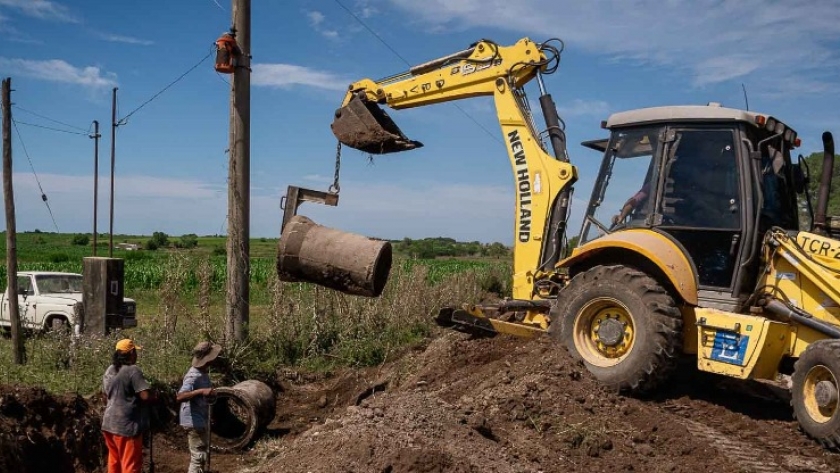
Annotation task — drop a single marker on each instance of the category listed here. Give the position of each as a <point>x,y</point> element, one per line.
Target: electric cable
<point>365,26</point>
<point>220,6</point>
<point>223,79</point>
<point>124,120</point>
<point>464,112</point>
<point>54,129</point>
<point>49,119</point>
<point>43,194</point>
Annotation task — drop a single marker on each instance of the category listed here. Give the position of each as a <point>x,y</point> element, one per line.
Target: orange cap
<point>126,345</point>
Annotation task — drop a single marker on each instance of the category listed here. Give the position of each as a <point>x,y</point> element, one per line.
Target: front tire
<point>814,395</point>
<point>622,324</point>
<point>57,324</point>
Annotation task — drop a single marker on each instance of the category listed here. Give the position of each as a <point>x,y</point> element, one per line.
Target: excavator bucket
<point>364,126</point>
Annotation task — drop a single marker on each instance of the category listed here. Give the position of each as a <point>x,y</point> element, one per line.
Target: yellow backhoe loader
<point>690,243</point>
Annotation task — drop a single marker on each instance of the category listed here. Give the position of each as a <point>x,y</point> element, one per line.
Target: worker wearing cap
<point>125,387</point>
<point>193,398</point>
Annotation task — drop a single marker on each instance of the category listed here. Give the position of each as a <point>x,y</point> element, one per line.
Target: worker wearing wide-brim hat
<point>193,398</point>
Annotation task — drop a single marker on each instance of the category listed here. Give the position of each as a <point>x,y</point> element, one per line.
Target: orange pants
<point>125,454</point>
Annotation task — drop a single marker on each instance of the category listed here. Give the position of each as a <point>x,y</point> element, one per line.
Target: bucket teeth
<point>364,126</point>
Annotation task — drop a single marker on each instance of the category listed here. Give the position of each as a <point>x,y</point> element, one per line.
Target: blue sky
<point>65,56</point>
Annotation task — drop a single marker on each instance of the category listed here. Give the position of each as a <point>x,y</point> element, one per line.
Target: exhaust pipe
<point>825,182</point>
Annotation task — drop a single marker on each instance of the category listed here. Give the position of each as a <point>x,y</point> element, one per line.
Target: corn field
<point>150,274</point>
<point>292,324</point>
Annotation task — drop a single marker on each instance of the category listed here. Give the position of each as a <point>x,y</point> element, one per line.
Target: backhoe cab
<point>690,245</point>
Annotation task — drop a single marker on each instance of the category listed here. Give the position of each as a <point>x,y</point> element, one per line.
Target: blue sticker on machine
<point>730,348</point>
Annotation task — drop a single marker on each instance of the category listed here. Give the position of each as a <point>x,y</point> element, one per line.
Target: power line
<point>220,6</point>
<point>373,32</point>
<point>43,194</point>
<point>54,129</point>
<point>223,79</point>
<point>356,17</point>
<point>49,119</point>
<point>124,120</point>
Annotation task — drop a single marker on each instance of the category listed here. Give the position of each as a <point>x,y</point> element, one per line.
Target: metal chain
<point>335,188</point>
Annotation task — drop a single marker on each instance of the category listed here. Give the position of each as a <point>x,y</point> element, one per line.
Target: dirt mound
<point>510,405</point>
<point>456,405</point>
<point>40,432</point>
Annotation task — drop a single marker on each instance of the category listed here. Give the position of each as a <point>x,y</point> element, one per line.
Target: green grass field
<point>180,296</point>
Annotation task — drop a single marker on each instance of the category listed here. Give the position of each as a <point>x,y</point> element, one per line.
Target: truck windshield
<point>58,283</point>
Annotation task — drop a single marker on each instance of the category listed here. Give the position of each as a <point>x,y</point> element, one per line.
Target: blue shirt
<point>193,413</point>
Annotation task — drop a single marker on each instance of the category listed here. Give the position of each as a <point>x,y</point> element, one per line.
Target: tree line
<point>429,248</point>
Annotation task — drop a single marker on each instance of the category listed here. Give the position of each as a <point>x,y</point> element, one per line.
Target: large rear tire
<point>814,395</point>
<point>622,324</point>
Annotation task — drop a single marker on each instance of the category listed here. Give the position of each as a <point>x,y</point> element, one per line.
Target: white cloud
<point>57,70</point>
<point>364,9</point>
<point>711,41</point>
<point>144,204</point>
<point>286,75</point>
<point>318,178</point>
<point>44,9</point>
<point>115,38</point>
<point>461,211</point>
<point>582,108</point>
<point>316,20</point>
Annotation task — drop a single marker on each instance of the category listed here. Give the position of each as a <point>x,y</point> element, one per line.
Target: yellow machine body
<point>635,295</point>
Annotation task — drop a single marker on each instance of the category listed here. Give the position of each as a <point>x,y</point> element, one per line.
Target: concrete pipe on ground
<point>347,262</point>
<point>239,413</point>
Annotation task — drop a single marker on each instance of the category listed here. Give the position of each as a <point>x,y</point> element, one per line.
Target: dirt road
<point>508,405</point>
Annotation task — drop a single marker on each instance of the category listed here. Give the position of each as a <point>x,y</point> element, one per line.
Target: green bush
<point>187,241</point>
<point>151,245</point>
<point>161,239</point>
<point>80,239</point>
<point>59,257</point>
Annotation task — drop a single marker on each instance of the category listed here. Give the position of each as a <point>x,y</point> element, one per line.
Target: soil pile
<point>455,405</point>
<point>510,405</point>
<point>40,432</point>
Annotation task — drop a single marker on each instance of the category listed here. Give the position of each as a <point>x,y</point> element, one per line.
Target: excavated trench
<point>454,405</point>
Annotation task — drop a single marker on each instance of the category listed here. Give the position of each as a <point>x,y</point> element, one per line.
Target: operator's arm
<point>632,203</point>
<point>187,395</point>
<point>141,386</point>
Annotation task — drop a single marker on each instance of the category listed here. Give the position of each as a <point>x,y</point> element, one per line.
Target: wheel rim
<point>820,394</point>
<point>604,332</point>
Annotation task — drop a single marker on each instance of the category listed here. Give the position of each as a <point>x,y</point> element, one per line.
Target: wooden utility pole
<point>11,231</point>
<point>239,185</point>
<point>113,151</point>
<point>95,137</point>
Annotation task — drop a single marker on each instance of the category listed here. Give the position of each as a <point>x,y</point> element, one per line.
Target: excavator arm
<point>542,181</point>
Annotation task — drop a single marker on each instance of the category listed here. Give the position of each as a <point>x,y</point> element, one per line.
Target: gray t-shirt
<point>193,413</point>
<point>122,413</point>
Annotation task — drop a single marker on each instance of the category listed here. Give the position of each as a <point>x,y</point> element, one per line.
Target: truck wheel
<point>57,324</point>
<point>623,325</point>
<point>814,395</point>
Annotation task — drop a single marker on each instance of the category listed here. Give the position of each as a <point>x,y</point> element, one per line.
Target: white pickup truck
<point>51,300</point>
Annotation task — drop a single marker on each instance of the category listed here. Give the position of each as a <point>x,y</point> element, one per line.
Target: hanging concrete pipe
<point>347,262</point>
<point>239,413</point>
